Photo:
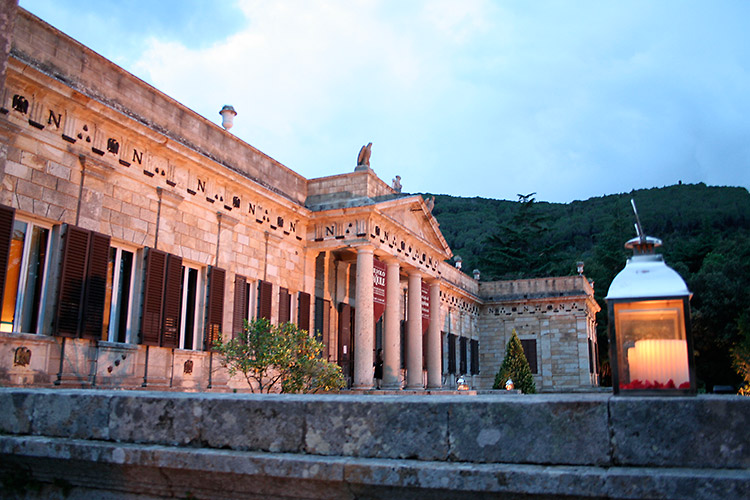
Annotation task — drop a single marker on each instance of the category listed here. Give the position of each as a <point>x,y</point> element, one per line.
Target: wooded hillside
<point>706,235</point>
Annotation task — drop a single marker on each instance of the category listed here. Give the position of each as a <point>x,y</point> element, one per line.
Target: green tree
<point>521,247</point>
<point>279,358</point>
<point>516,367</point>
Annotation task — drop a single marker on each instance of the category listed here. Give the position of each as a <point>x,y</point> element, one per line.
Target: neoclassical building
<point>134,232</point>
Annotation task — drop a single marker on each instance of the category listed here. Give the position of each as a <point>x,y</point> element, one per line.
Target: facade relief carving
<point>120,152</point>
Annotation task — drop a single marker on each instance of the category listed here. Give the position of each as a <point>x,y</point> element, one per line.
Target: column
<point>364,325</point>
<point>414,377</point>
<point>434,351</point>
<point>392,334</point>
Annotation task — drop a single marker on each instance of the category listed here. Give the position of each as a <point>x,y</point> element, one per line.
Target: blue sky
<point>470,98</point>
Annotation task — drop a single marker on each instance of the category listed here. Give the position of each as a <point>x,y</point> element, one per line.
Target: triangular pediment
<point>413,214</point>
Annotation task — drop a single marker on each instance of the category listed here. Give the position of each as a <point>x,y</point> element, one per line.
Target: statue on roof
<point>396,184</point>
<point>364,155</point>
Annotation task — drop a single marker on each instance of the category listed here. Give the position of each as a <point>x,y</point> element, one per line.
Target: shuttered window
<point>303,311</point>
<point>462,348</point>
<point>240,312</point>
<point>83,279</point>
<point>163,318</point>
<point>451,354</point>
<point>171,315</point>
<point>153,296</point>
<point>285,304</point>
<point>6,234</point>
<point>474,346</point>
<point>529,349</point>
<point>215,307</point>
<point>265,291</point>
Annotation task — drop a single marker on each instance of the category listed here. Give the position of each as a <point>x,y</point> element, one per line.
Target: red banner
<point>425,307</point>
<point>378,288</point>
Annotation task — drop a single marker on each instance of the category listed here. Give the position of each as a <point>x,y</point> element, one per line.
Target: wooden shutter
<point>303,311</point>
<point>75,251</point>
<point>7,216</point>
<point>215,306</point>
<point>240,305</point>
<point>265,289</point>
<point>153,294</point>
<point>95,286</point>
<point>451,354</point>
<point>529,349</point>
<point>285,301</point>
<point>462,348</point>
<point>474,346</point>
<point>172,298</point>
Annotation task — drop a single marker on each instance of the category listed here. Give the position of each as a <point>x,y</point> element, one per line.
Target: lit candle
<point>659,360</point>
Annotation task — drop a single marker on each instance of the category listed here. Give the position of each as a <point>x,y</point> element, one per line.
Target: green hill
<point>706,235</point>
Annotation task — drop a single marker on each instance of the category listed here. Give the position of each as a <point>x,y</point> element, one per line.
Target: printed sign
<point>378,288</point>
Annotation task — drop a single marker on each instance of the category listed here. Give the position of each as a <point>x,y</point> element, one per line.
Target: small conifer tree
<point>516,367</point>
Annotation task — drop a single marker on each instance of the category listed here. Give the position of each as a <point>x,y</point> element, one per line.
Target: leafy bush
<point>279,358</point>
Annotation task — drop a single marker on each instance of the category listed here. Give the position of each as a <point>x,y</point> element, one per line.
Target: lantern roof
<point>647,276</point>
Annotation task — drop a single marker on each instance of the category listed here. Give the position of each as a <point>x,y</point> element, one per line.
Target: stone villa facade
<point>134,232</point>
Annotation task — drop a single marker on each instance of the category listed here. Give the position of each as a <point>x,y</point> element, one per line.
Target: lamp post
<point>651,346</point>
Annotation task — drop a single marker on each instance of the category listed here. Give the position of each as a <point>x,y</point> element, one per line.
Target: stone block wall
<point>156,445</point>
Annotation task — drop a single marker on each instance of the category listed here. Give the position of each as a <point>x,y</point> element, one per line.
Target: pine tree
<point>516,367</point>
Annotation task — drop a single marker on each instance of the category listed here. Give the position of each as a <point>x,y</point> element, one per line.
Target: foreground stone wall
<point>154,445</point>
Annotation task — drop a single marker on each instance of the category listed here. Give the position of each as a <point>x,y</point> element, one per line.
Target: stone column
<point>414,377</point>
<point>434,352</point>
<point>392,340</point>
<point>364,326</point>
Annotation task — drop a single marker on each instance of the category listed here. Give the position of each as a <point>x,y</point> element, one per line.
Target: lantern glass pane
<point>651,345</point>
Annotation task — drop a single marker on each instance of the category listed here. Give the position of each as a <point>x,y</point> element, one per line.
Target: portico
<point>396,235</point>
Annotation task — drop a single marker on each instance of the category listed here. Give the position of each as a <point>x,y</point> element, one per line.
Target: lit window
<point>119,299</point>
<point>23,307</point>
<point>189,310</point>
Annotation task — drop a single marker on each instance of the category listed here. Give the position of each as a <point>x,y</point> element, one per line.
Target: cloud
<point>467,98</point>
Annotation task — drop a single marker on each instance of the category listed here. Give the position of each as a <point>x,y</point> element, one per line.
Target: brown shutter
<point>303,311</point>
<point>215,312</point>
<point>170,331</point>
<point>156,263</point>
<point>240,305</point>
<point>285,301</point>
<point>7,215</point>
<point>265,289</point>
<point>96,286</point>
<point>72,277</point>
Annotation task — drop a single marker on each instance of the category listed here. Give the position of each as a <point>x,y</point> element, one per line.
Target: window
<point>474,346</point>
<point>189,311</point>
<point>462,354</point>
<point>285,305</point>
<point>451,354</point>
<point>119,299</point>
<point>265,290</point>
<point>529,349</point>
<point>83,283</point>
<point>25,277</point>
<point>322,324</point>
<point>303,311</point>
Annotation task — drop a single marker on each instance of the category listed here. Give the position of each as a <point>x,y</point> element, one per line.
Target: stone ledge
<point>160,471</point>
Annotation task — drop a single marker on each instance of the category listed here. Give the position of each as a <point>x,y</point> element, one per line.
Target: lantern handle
<point>638,226</point>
